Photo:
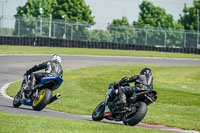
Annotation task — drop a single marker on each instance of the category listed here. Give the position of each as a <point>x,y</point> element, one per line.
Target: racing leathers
<point>142,83</point>
<point>52,68</point>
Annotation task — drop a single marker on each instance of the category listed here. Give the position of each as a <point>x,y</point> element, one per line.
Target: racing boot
<point>107,112</point>
<point>125,106</point>
<point>121,105</point>
<point>26,88</point>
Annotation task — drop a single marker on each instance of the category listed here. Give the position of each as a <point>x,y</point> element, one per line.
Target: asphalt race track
<point>12,67</point>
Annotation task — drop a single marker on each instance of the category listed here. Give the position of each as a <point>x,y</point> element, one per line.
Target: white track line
<point>3,90</point>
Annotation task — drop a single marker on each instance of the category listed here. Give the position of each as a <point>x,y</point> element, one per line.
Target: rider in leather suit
<point>143,82</point>
<point>52,68</point>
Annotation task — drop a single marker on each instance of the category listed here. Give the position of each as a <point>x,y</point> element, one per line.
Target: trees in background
<point>190,21</point>
<point>189,17</point>
<point>100,36</point>
<point>120,30</point>
<point>142,31</point>
<point>31,11</point>
<point>154,16</point>
<point>151,16</point>
<point>73,10</point>
<point>68,10</point>
<point>156,27</point>
<point>168,32</point>
<point>32,8</point>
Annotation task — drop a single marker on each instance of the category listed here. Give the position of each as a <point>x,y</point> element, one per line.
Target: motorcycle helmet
<point>145,71</point>
<point>56,58</point>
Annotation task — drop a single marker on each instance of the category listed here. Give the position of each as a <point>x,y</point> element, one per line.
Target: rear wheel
<point>135,118</point>
<point>16,100</point>
<point>98,112</point>
<point>43,100</point>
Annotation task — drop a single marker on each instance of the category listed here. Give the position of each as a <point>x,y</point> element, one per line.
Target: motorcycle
<point>135,111</point>
<point>41,96</point>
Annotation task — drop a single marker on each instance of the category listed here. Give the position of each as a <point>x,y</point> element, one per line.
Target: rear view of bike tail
<point>38,99</point>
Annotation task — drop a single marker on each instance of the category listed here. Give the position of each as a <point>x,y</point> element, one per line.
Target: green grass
<point>177,86</point>
<point>16,123</point>
<point>7,49</point>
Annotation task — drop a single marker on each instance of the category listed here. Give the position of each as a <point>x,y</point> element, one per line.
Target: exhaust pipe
<point>54,98</point>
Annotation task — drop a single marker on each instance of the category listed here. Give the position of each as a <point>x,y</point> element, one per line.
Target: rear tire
<point>44,99</point>
<point>98,112</point>
<point>16,100</point>
<point>138,116</point>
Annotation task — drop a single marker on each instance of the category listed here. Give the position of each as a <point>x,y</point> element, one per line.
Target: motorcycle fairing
<point>48,79</point>
<point>107,95</point>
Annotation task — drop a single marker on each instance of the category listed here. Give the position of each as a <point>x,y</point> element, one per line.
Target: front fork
<point>25,101</point>
<point>29,100</point>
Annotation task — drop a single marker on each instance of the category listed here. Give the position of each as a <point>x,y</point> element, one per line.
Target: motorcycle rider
<point>143,82</point>
<point>52,68</point>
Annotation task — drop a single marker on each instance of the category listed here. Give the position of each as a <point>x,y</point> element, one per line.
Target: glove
<point>110,86</point>
<point>116,84</point>
<point>124,80</point>
<point>26,74</point>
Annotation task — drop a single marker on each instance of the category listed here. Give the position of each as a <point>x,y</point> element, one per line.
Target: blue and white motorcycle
<point>41,96</point>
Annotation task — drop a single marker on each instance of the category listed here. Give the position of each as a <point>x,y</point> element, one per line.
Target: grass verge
<point>177,86</point>
<point>8,49</point>
<point>16,123</point>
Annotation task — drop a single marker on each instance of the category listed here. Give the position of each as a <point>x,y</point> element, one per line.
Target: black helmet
<point>145,71</point>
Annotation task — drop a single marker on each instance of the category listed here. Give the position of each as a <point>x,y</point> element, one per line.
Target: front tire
<point>98,112</point>
<point>138,116</point>
<point>45,97</point>
<point>16,100</point>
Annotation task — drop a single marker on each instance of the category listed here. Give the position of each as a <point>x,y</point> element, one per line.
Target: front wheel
<point>135,118</point>
<point>98,112</point>
<point>16,100</point>
<point>43,100</point>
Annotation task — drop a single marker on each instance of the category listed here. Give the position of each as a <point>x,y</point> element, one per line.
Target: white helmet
<point>56,58</point>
